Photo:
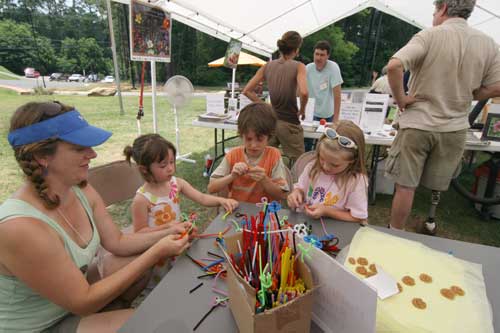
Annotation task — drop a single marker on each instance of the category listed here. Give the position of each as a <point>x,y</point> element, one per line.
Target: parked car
<point>91,78</point>
<point>58,77</point>
<point>31,72</point>
<point>76,78</point>
<point>108,79</point>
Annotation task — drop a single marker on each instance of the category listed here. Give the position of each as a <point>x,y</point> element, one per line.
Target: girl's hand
<point>315,211</point>
<point>228,204</point>
<point>171,245</point>
<point>239,169</point>
<point>257,174</point>
<point>295,199</point>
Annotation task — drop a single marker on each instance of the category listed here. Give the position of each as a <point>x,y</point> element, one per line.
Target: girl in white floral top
<point>156,203</point>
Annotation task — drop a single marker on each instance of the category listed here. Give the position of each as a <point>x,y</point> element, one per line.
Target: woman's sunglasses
<point>344,141</point>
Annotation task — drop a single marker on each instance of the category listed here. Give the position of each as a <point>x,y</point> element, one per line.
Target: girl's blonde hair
<point>357,168</point>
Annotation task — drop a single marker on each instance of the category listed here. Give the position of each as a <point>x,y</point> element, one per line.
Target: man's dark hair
<point>323,45</point>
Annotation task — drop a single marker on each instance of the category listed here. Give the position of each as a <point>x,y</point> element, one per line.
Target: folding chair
<point>301,163</point>
<point>115,181</point>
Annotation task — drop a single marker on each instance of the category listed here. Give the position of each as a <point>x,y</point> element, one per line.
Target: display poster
<point>150,33</point>
<point>232,53</point>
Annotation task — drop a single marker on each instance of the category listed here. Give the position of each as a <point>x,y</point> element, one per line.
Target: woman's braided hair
<point>29,114</point>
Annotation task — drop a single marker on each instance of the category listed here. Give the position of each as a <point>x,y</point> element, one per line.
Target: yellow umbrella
<point>244,59</point>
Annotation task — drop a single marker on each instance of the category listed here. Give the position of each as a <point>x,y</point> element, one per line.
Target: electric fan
<point>178,91</point>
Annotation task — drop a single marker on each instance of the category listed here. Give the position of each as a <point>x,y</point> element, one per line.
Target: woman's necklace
<point>71,226</point>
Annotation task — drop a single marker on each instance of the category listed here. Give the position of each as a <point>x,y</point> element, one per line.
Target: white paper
<point>351,111</point>
<point>215,103</point>
<point>385,284</point>
<point>244,101</point>
<point>374,111</point>
<point>342,303</point>
<point>309,108</point>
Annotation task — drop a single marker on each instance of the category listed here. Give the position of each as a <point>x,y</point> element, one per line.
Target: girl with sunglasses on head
<point>334,184</point>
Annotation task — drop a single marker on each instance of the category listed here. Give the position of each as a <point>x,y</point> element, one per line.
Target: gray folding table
<point>170,307</point>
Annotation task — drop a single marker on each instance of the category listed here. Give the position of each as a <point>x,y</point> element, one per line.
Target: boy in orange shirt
<point>254,170</point>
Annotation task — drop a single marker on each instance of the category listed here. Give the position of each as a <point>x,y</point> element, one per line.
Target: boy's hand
<point>295,199</point>
<point>257,173</point>
<point>228,204</point>
<point>315,211</point>
<point>239,169</point>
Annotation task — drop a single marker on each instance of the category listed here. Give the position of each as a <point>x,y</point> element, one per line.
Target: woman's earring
<point>45,170</point>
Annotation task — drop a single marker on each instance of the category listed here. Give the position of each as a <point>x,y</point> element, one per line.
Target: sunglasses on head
<point>344,141</point>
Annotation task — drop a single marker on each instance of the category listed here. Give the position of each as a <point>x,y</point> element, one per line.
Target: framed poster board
<point>491,129</point>
<point>150,33</point>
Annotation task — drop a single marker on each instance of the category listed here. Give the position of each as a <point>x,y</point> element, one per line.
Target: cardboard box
<point>294,316</point>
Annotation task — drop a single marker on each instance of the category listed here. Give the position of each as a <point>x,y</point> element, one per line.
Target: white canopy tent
<point>260,23</point>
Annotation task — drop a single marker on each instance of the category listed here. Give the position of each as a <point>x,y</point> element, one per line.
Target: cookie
<point>351,260</point>
<point>408,280</point>
<point>400,287</point>
<point>425,278</point>
<point>447,293</point>
<point>419,303</point>
<point>370,273</point>
<point>361,270</point>
<point>362,261</point>
<point>457,290</point>
<point>373,268</point>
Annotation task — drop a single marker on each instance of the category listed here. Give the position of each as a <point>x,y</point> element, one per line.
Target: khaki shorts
<point>425,158</point>
<point>291,138</point>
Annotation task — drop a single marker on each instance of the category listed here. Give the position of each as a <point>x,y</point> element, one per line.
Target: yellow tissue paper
<point>400,257</point>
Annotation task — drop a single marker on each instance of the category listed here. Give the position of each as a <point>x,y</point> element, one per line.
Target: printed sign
<point>232,53</point>
<point>150,33</point>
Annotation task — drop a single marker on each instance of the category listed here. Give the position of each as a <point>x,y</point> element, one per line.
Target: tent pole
<point>113,51</point>
<point>153,96</point>
<point>377,36</point>
<point>233,80</point>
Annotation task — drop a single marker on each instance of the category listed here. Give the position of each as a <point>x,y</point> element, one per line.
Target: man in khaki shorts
<point>451,64</point>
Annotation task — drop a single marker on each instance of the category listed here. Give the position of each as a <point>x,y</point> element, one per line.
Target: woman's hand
<point>315,211</point>
<point>295,199</point>
<point>171,245</point>
<point>228,204</point>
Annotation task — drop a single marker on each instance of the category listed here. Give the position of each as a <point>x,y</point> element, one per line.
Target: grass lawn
<point>456,217</point>
<point>3,74</point>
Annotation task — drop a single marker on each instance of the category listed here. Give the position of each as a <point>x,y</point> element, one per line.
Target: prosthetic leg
<point>429,227</point>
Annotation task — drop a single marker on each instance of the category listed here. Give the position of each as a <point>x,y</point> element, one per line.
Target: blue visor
<point>69,126</point>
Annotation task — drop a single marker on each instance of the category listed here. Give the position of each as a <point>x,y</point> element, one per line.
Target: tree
<point>18,48</point>
<point>83,55</point>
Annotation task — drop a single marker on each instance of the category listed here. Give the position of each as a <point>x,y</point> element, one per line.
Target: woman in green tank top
<point>51,227</point>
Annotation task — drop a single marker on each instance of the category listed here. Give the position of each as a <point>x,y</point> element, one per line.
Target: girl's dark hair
<point>26,115</point>
<point>146,150</point>
<point>289,42</point>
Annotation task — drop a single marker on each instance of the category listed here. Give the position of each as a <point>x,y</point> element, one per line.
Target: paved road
<point>28,84</point>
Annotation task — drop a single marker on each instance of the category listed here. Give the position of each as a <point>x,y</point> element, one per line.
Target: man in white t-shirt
<point>451,64</point>
<point>324,82</point>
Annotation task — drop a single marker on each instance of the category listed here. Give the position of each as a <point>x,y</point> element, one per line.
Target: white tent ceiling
<point>260,23</point>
